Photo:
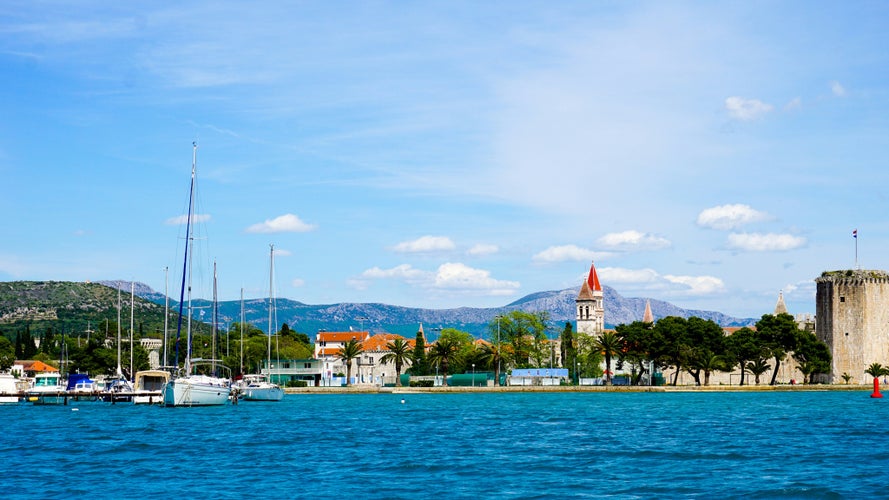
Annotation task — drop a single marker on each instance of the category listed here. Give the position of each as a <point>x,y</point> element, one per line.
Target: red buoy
<point>876,393</point>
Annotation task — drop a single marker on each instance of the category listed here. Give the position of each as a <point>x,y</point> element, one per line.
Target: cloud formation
<point>727,217</point>
<point>287,223</point>
<point>182,219</point>
<point>567,253</point>
<point>451,276</point>
<point>743,109</point>
<point>457,276</point>
<point>633,240</point>
<point>483,249</point>
<point>770,242</point>
<point>425,244</point>
<point>837,89</point>
<point>649,280</point>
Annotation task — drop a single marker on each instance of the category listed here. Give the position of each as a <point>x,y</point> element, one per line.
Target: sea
<point>465,446</point>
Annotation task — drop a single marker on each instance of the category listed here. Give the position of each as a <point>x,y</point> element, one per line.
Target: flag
<point>855,233</point>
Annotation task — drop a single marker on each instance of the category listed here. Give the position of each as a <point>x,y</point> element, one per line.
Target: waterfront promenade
<point>372,389</point>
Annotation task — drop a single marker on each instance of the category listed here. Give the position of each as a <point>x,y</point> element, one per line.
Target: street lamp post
<point>577,371</point>
<point>499,351</point>
<point>473,374</point>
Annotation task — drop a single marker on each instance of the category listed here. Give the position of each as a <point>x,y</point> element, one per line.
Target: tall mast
<point>242,331</point>
<point>119,372</point>
<point>186,275</point>
<point>271,305</point>
<point>166,308</point>
<point>213,356</point>
<point>132,322</point>
<point>189,242</point>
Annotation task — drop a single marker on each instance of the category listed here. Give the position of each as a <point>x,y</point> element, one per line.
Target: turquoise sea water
<point>538,445</point>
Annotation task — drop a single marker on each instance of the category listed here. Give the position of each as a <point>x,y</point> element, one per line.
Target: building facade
<point>852,318</point>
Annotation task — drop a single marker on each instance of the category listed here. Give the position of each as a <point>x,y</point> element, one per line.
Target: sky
<point>447,153</point>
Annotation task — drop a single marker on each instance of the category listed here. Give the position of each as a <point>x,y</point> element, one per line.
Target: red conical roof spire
<point>593,279</point>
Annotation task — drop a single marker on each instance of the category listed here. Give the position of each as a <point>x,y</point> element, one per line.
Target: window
<point>842,299</point>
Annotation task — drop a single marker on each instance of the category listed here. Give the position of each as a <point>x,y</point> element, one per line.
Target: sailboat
<point>199,383</point>
<point>118,389</point>
<point>259,387</point>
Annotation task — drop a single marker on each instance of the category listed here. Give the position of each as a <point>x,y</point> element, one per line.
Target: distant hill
<point>375,317</point>
<point>73,307</point>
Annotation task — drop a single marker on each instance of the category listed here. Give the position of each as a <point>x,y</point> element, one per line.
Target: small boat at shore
<point>81,388</point>
<point>149,386</point>
<point>9,391</point>
<point>47,390</point>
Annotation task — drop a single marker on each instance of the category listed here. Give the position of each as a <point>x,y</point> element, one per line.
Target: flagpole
<point>855,237</point>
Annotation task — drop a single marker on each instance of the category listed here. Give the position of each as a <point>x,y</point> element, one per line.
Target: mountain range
<point>308,318</point>
<point>73,307</point>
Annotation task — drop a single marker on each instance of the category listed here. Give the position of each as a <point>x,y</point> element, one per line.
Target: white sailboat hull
<point>196,390</point>
<point>262,392</point>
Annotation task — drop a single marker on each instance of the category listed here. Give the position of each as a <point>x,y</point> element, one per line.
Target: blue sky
<point>441,154</point>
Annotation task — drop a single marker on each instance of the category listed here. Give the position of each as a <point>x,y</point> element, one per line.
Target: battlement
<point>853,277</point>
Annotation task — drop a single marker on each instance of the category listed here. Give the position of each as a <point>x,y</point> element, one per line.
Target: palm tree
<point>400,351</point>
<point>442,353</point>
<point>757,367</point>
<point>709,362</point>
<point>875,370</point>
<point>609,344</point>
<point>349,351</point>
<point>491,355</point>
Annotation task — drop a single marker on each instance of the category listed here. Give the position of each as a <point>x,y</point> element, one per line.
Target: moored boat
<point>201,382</point>
<point>47,390</point>
<point>9,391</point>
<point>149,386</point>
<point>256,388</point>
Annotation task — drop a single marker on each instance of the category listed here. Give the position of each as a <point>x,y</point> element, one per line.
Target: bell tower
<point>591,305</point>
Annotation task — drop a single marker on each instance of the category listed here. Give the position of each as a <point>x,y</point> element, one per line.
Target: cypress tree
<point>419,365</point>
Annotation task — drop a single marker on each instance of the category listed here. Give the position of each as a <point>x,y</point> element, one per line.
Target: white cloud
<point>746,109</point>
<point>730,216</point>
<point>287,223</point>
<point>793,104</point>
<point>698,285</point>
<point>483,249</point>
<point>182,219</point>
<point>280,252</point>
<point>403,271</point>
<point>633,240</point>
<point>564,253</point>
<point>622,275</point>
<point>297,282</point>
<point>456,276</point>
<point>648,280</point>
<point>837,89</point>
<point>426,244</point>
<point>758,242</point>
<point>449,276</point>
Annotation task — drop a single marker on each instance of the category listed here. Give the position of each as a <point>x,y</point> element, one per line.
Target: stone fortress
<point>852,318</point>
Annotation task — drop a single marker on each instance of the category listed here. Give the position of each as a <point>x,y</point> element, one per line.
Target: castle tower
<point>591,305</point>
<point>852,318</point>
<point>647,317</point>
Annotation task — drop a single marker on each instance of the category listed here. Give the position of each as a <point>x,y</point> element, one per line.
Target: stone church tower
<point>852,318</point>
<point>591,305</point>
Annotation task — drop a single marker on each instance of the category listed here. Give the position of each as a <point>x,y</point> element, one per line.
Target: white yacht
<point>201,382</point>
<point>9,391</point>
<point>47,390</point>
